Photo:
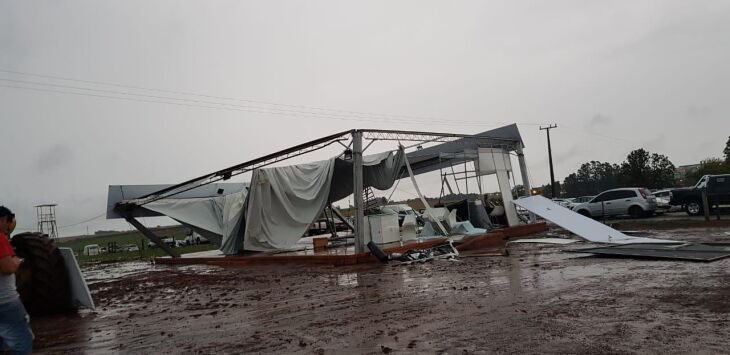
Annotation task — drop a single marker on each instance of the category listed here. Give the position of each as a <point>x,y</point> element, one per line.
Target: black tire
<point>585,213</point>
<point>41,280</point>
<point>636,212</point>
<point>694,208</point>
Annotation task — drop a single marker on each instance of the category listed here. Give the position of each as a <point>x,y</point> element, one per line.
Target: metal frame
<point>356,137</point>
<point>46,215</point>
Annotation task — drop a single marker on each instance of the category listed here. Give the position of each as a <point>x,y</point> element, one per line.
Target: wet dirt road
<point>537,300</point>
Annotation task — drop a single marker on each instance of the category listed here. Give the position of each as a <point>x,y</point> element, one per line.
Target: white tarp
<point>584,227</point>
<point>218,218</point>
<point>284,200</point>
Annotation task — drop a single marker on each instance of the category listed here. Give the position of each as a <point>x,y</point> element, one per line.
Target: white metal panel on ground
<point>584,227</point>
<point>545,241</point>
<point>80,295</point>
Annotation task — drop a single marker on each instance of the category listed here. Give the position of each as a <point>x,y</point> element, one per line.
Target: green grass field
<point>124,238</point>
<point>127,238</point>
<point>146,254</point>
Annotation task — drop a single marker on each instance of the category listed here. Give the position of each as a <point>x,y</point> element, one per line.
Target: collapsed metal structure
<point>452,150</point>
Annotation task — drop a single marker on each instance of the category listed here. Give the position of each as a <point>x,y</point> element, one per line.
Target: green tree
<point>547,191</point>
<point>592,178</point>
<point>727,151</point>
<point>643,169</point>
<point>661,172</point>
<point>635,170</point>
<point>572,185</point>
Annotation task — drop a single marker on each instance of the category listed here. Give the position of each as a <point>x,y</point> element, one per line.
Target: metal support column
<point>357,191</point>
<point>525,177</point>
<point>148,233</point>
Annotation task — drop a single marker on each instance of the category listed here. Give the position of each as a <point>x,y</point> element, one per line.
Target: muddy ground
<point>539,299</point>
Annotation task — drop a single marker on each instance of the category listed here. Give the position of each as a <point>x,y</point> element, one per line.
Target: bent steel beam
<point>149,234</point>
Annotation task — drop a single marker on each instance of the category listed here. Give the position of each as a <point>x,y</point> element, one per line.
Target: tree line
<point>640,169</point>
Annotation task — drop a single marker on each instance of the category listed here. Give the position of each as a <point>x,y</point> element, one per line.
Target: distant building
<point>681,172</point>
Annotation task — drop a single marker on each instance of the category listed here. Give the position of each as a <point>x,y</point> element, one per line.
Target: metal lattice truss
<point>372,135</point>
<point>428,137</point>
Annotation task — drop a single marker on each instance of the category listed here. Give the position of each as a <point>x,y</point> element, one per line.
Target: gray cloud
<point>599,120</point>
<point>698,111</point>
<point>54,157</point>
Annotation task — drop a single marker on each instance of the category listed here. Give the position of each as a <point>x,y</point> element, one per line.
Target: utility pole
<point>550,158</point>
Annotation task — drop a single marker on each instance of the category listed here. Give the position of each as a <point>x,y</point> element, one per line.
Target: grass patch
<point>126,238</point>
<point>123,238</point>
<point>146,254</point>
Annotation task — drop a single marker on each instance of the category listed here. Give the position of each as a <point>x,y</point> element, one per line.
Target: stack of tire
<point>42,280</point>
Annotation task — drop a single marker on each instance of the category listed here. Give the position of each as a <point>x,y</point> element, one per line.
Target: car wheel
<point>694,208</point>
<point>584,213</point>
<point>636,212</point>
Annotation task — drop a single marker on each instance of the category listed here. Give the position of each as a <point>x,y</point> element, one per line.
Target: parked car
<point>194,239</point>
<point>633,201</point>
<point>575,201</point>
<point>690,198</point>
<point>130,247</point>
<point>563,202</point>
<point>663,199</point>
<point>169,241</point>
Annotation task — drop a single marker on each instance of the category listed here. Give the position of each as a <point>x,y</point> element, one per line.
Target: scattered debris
<point>444,251</point>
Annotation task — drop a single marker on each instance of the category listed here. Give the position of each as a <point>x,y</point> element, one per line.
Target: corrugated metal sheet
<point>677,251</point>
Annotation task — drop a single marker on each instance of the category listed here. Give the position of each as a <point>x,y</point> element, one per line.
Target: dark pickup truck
<point>690,198</point>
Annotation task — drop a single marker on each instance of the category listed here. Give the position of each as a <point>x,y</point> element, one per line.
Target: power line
<point>305,115</point>
<point>414,119</point>
<point>257,109</point>
<point>66,226</point>
<point>598,134</point>
<point>201,95</point>
<point>84,221</point>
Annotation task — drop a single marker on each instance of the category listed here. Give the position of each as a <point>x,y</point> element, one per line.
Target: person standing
<point>15,332</point>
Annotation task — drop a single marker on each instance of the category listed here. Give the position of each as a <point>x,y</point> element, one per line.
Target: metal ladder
<point>369,201</point>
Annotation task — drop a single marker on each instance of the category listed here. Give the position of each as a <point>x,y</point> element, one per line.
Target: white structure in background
<point>92,249</point>
<point>382,228</point>
<point>497,161</point>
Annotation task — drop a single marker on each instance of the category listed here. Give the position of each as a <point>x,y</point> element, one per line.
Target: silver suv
<point>632,201</point>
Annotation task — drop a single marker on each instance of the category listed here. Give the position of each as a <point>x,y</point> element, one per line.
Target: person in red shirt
<point>15,333</point>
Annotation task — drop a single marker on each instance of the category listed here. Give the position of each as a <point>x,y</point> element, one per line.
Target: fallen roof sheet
<point>584,227</point>
<point>545,240</point>
<point>679,251</point>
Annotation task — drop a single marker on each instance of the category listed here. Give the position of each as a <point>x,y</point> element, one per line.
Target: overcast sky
<point>613,75</point>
